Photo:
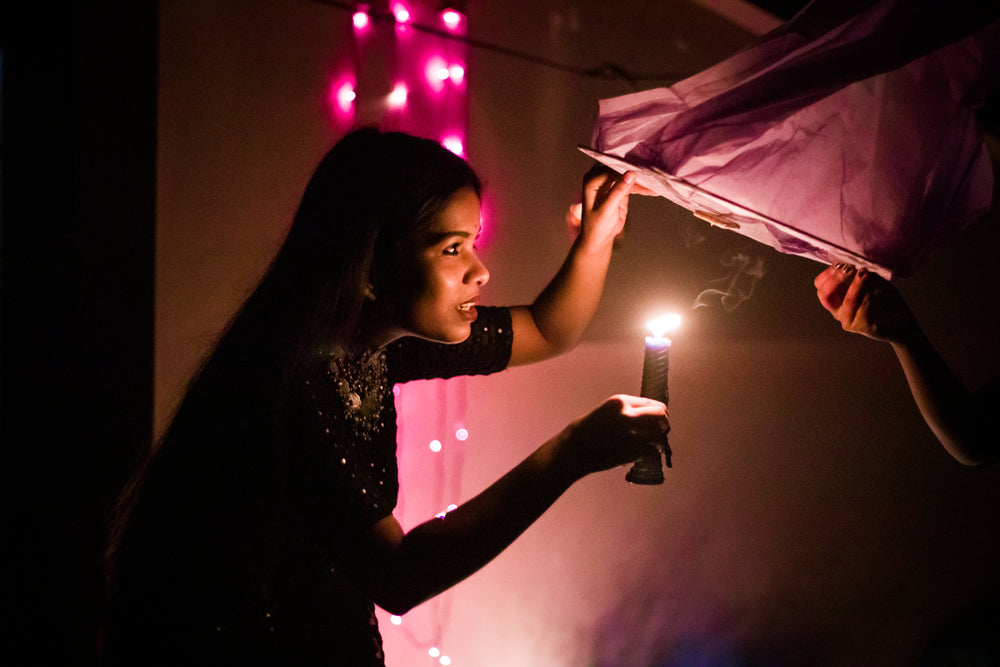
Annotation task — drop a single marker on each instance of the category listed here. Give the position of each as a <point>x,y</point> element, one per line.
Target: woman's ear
<point>369,291</point>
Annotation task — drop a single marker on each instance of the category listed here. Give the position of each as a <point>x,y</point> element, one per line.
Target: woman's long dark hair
<point>369,193</point>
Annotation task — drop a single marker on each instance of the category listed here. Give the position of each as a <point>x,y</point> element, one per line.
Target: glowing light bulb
<point>456,73</point>
<point>461,435</point>
<point>396,620</point>
<point>436,72</point>
<point>434,651</point>
<point>360,19</point>
<point>454,144</point>
<point>451,18</point>
<point>435,445</point>
<point>401,13</point>
<point>445,660</point>
<point>345,96</point>
<point>397,97</point>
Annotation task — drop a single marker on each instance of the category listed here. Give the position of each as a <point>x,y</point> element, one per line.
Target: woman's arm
<point>559,317</point>
<point>946,404</point>
<point>400,570</point>
<point>869,305</point>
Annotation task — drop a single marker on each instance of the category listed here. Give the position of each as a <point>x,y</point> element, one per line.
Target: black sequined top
<point>232,556</point>
<point>347,471</point>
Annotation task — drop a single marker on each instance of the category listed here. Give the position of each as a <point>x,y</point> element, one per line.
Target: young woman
<point>261,529</point>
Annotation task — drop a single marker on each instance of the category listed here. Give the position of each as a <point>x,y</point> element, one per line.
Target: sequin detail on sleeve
<point>349,445</point>
<point>487,350</point>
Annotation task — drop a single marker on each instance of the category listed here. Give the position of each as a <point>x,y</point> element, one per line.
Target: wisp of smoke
<point>736,287</point>
<point>693,234</point>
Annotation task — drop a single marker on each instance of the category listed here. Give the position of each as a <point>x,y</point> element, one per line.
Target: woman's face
<point>439,303</point>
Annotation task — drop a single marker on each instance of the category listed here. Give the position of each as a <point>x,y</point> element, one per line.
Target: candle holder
<point>655,367</point>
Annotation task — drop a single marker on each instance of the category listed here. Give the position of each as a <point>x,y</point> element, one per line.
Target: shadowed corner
<point>971,637</point>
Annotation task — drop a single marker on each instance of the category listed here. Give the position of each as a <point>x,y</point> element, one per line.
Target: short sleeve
<point>486,350</point>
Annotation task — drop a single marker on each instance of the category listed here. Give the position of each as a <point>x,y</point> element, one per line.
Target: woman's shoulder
<point>486,350</point>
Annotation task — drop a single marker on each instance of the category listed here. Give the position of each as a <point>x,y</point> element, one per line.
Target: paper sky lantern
<point>857,144</point>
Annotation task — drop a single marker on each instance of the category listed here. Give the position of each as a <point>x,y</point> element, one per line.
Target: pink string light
<point>401,13</point>
<point>360,18</point>
<point>454,143</point>
<point>345,96</point>
<point>397,98</point>
<point>451,18</point>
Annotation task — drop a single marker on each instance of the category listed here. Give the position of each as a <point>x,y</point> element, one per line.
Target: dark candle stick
<point>655,366</point>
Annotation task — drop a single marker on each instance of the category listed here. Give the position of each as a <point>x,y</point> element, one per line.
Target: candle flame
<point>661,325</point>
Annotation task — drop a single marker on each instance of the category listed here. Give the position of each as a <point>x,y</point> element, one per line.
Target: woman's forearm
<point>564,309</point>
<point>943,401</point>
<point>441,552</point>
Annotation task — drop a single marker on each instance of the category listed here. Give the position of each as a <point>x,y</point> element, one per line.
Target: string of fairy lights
<point>407,71</point>
<point>399,12</point>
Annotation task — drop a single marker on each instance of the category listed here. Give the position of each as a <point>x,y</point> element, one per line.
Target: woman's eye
<point>452,249</point>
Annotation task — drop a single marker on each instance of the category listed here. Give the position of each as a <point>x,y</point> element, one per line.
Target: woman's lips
<point>468,309</point>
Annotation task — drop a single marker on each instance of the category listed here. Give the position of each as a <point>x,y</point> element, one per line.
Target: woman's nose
<point>479,274</point>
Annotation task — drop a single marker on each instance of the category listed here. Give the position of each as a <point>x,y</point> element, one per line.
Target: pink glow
<point>401,13</point>
<point>486,210</point>
<point>397,98</point>
<point>453,142</point>
<point>451,18</point>
<point>344,96</point>
<point>360,19</point>
<point>436,72</point>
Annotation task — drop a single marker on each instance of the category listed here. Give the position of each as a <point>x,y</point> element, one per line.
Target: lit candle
<point>655,365</point>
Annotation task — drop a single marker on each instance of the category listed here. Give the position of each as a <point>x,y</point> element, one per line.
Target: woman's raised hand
<point>864,303</point>
<point>600,217</point>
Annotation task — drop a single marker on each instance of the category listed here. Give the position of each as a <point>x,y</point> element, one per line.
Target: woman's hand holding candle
<point>621,430</point>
